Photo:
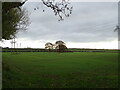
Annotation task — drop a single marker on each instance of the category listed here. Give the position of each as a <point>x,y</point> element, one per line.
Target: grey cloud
<point>89,22</point>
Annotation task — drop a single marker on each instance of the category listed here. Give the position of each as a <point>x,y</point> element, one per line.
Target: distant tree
<point>59,43</point>
<point>49,46</point>
<point>60,46</point>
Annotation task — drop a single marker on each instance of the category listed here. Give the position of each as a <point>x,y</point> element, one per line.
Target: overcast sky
<point>91,25</point>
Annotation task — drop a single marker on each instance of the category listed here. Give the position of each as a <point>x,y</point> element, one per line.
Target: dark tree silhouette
<point>60,8</point>
<point>60,46</point>
<point>13,20</point>
<point>59,43</point>
<point>49,46</point>
<point>7,6</point>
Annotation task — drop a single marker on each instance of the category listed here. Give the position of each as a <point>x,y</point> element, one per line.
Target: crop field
<point>60,70</point>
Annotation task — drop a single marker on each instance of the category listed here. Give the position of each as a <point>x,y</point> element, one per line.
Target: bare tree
<point>60,9</point>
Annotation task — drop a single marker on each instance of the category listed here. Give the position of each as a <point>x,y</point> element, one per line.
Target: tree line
<point>60,46</point>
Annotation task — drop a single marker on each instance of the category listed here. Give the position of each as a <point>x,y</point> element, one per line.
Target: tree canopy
<point>49,45</point>
<point>60,46</point>
<point>13,20</point>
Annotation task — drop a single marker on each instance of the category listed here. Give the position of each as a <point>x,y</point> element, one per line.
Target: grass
<point>60,70</point>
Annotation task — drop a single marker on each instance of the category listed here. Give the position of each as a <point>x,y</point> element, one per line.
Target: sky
<point>91,25</point>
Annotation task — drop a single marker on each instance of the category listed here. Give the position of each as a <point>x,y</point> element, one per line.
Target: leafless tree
<point>60,9</point>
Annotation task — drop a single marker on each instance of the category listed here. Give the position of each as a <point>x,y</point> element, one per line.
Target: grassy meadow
<point>60,70</point>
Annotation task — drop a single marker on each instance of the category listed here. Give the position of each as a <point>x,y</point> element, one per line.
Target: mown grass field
<point>60,70</point>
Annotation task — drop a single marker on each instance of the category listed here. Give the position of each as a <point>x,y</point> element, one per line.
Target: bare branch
<point>60,8</point>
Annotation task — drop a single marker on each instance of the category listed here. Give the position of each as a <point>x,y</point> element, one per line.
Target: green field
<point>60,70</point>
